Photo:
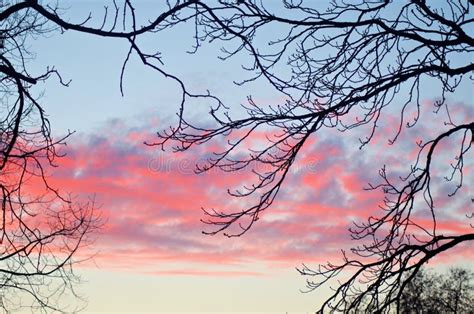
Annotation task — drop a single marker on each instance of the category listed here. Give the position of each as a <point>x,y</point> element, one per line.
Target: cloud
<point>152,202</point>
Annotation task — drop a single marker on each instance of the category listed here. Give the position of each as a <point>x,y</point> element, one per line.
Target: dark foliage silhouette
<point>341,67</point>
<point>428,292</point>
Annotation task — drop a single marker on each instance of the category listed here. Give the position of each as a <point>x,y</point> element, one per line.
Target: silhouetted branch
<point>41,229</point>
<point>344,67</point>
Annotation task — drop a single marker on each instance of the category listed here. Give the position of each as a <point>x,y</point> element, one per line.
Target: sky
<point>151,255</point>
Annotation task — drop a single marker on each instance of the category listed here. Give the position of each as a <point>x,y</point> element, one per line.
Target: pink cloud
<point>152,202</point>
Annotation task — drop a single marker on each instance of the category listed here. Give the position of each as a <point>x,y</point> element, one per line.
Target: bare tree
<point>41,229</point>
<point>342,68</point>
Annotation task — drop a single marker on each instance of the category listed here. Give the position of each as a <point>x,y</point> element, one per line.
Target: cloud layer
<point>152,202</point>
